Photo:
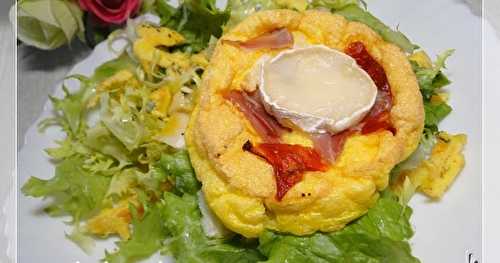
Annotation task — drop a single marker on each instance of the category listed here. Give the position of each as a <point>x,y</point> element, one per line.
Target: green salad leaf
<point>75,191</point>
<point>435,113</point>
<point>196,20</point>
<point>109,68</point>
<point>123,122</point>
<point>81,239</point>
<point>188,243</point>
<point>431,80</point>
<point>356,13</point>
<point>379,236</point>
<point>101,140</point>
<point>178,167</point>
<point>334,248</point>
<point>335,4</point>
<point>182,219</point>
<point>386,219</point>
<point>147,237</point>
<point>149,231</point>
<point>65,149</point>
<point>70,110</point>
<point>240,9</point>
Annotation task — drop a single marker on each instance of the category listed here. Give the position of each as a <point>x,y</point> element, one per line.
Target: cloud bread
<point>240,186</point>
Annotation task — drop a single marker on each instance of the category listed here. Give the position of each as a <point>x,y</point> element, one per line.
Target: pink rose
<point>111,11</point>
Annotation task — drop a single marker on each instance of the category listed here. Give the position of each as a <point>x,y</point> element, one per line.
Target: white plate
<point>445,231</point>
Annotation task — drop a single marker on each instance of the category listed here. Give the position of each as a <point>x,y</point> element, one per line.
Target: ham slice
<point>330,146</point>
<point>250,105</point>
<point>277,39</point>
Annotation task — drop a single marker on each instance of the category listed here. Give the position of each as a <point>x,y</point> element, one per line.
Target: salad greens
<point>75,193</point>
<point>180,171</point>
<point>379,236</point>
<point>146,239</point>
<point>174,224</point>
<point>119,158</point>
<point>188,242</point>
<point>431,80</point>
<point>197,20</point>
<point>356,13</point>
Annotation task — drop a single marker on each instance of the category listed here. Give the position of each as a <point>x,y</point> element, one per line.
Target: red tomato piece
<point>288,161</point>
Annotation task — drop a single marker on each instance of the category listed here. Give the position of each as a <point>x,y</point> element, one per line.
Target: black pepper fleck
<point>247,146</point>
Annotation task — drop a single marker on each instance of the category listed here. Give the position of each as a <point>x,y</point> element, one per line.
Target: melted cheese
<point>316,89</point>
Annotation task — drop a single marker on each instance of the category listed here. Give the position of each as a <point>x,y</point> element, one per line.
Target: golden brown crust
<point>240,187</point>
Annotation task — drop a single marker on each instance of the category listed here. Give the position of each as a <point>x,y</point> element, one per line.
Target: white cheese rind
<point>316,89</point>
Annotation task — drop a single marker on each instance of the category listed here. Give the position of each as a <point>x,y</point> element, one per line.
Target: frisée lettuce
<point>74,192</point>
<point>197,20</point>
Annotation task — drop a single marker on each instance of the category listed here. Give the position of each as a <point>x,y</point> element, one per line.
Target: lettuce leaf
<point>66,148</point>
<point>379,236</point>
<point>240,9</point>
<point>356,13</point>
<point>423,152</point>
<point>123,123</point>
<point>431,80</point>
<point>178,167</point>
<point>196,20</point>
<point>147,237</point>
<point>75,191</point>
<point>101,140</point>
<point>174,223</point>
<point>435,113</point>
<point>335,4</point>
<point>111,67</point>
<point>182,219</point>
<point>70,111</point>
<point>188,242</point>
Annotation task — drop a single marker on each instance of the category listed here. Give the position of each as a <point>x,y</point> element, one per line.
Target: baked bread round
<point>240,186</point>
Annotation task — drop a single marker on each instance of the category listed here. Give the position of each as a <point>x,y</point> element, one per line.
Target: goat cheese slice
<point>316,89</point>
